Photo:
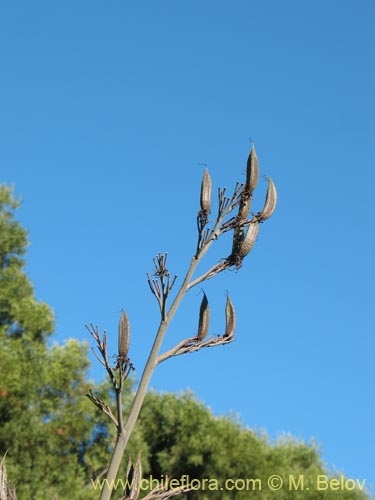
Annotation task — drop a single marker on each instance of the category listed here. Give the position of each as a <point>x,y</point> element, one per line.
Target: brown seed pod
<point>137,477</point>
<point>244,206</point>
<point>252,171</point>
<point>206,189</point>
<point>133,479</point>
<point>249,239</point>
<point>3,478</point>
<point>230,318</point>
<point>252,175</point>
<point>236,242</point>
<point>204,318</point>
<point>123,335</point>
<point>270,203</point>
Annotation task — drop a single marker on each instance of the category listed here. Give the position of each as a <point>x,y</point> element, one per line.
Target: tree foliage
<point>55,438</point>
<point>185,438</point>
<point>20,313</point>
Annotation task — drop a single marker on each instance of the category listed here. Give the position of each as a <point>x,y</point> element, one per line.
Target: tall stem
<point>124,432</point>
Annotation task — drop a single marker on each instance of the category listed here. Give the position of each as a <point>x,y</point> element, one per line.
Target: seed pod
<point>123,335</point>
<point>249,240</point>
<point>237,239</point>
<point>137,477</point>
<point>133,479</point>
<point>244,207</point>
<point>230,318</point>
<point>3,478</point>
<point>252,171</point>
<point>206,189</point>
<point>252,175</point>
<point>204,318</point>
<point>270,204</point>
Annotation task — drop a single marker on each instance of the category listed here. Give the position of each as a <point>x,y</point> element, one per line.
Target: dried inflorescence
<point>118,373</point>
<point>245,233</point>
<point>245,226</point>
<point>162,284</point>
<point>201,340</point>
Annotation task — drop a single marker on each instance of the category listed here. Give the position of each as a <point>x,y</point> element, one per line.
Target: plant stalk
<point>125,431</point>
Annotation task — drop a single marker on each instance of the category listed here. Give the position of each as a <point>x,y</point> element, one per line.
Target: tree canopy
<point>20,313</point>
<point>55,438</point>
<point>185,438</point>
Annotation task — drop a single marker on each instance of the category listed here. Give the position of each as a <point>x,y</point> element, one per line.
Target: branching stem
<point>161,284</point>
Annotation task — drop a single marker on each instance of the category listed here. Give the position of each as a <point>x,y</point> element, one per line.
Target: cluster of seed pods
<point>245,232</point>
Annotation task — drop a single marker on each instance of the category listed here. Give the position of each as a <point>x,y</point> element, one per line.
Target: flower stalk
<point>245,231</point>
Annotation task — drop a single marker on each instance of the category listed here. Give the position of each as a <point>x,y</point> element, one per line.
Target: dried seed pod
<point>204,318</point>
<point>123,335</point>
<point>252,171</point>
<point>133,479</point>
<point>244,206</point>
<point>230,318</point>
<point>129,477</point>
<point>137,477</point>
<point>270,203</point>
<point>206,189</point>
<point>252,175</point>
<point>3,478</point>
<point>249,239</point>
<point>237,238</point>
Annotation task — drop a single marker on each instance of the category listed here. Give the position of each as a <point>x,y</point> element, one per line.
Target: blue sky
<point>106,111</point>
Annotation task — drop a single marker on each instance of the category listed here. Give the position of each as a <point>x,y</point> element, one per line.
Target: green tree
<point>20,314</point>
<point>57,440</point>
<point>184,437</point>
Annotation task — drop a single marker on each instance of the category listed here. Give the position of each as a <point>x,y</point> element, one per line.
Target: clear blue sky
<point>106,110</point>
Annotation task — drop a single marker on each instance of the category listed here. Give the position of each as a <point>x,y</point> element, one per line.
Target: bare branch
<point>102,348</point>
<point>194,344</point>
<point>173,351</point>
<point>102,405</point>
<point>216,269</point>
